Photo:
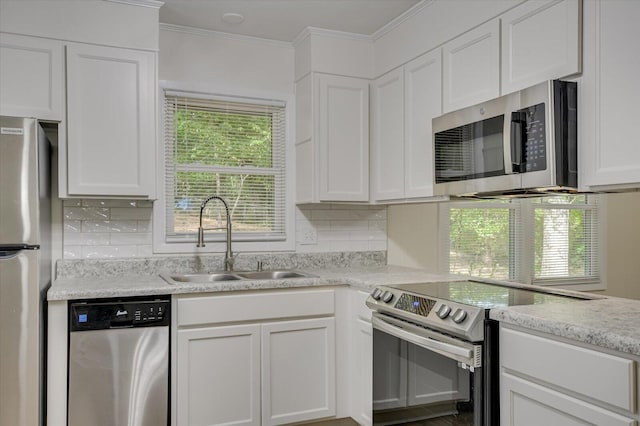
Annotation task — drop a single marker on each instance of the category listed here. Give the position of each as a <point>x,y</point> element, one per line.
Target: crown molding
<point>155,4</point>
<point>308,31</point>
<point>219,34</point>
<point>396,22</point>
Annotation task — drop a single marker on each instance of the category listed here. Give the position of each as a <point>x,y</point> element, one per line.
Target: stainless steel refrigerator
<point>25,269</point>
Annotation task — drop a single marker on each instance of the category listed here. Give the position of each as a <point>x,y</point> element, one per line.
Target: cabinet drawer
<point>524,403</point>
<point>255,306</point>
<point>597,375</point>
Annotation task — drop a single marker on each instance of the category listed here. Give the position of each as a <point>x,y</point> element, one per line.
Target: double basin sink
<point>233,276</point>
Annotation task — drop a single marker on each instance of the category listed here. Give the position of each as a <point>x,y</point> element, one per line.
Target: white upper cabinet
<point>31,77</point>
<point>343,138</point>
<point>332,141</point>
<point>609,107</point>
<point>387,136</point>
<point>471,67</point>
<point>422,103</point>
<point>403,103</point>
<point>540,41</point>
<point>111,110</point>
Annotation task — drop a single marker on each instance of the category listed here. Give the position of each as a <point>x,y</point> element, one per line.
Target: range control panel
<point>451,317</point>
<point>100,315</point>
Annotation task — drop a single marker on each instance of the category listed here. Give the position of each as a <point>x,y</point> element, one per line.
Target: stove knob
<point>444,311</point>
<point>459,315</point>
<point>387,296</point>
<point>376,294</point>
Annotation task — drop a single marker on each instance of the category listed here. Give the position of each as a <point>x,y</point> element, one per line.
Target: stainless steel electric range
<point>435,350</point>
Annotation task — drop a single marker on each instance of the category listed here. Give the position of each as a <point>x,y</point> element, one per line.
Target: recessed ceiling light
<point>232,18</point>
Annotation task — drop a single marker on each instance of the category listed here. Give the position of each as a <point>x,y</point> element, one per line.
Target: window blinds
<point>547,240</point>
<point>566,239</point>
<point>228,148</point>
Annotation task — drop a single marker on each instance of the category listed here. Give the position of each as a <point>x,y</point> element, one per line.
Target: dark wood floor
<point>347,421</point>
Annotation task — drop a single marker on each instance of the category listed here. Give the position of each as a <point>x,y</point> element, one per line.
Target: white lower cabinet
<point>525,403</point>
<point>546,381</point>
<point>298,370</point>
<point>362,368</point>
<point>264,366</point>
<point>218,380</point>
<point>361,356</point>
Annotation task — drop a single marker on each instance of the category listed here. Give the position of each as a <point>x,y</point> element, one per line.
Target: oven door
<point>422,377</point>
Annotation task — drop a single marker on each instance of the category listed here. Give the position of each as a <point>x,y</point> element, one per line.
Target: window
<point>549,240</point>
<point>230,148</point>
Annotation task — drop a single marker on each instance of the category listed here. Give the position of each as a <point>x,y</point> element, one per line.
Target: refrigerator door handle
<point>8,254</point>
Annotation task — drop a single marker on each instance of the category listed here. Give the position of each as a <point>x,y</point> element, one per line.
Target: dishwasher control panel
<point>118,313</point>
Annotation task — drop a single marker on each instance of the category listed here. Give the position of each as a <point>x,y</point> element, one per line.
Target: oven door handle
<point>469,356</point>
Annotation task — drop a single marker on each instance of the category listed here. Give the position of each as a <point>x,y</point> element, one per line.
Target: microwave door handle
<point>518,140</point>
<point>506,132</point>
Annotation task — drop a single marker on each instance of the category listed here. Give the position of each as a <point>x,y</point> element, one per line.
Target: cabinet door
<point>111,121</point>
<point>218,376</point>
<point>362,371</point>
<point>387,137</point>
<point>610,152</point>
<point>471,67</point>
<point>343,138</point>
<point>422,103</point>
<point>31,77</point>
<point>540,41</point>
<point>298,371</point>
<point>523,403</point>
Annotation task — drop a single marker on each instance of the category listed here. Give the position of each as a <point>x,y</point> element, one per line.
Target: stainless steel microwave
<point>519,144</point>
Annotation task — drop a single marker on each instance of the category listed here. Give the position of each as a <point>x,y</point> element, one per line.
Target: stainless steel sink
<point>205,278</point>
<point>272,275</point>
<point>233,276</point>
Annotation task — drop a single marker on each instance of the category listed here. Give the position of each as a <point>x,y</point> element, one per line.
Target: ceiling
<point>283,20</point>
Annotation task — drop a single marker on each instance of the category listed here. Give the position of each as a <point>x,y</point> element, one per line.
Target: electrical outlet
<point>309,236</point>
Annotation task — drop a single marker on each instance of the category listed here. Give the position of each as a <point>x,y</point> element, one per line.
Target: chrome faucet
<point>229,258</point>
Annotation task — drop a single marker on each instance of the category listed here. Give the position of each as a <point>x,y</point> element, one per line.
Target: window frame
<point>161,244</point>
<point>523,248</point>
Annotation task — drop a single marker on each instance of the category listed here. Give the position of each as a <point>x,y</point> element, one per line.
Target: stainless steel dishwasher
<point>119,362</point>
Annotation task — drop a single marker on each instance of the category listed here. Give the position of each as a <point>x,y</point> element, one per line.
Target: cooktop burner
<point>455,307</point>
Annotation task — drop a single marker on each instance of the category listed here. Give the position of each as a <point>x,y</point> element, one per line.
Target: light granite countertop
<point>363,277</point>
<point>611,323</point>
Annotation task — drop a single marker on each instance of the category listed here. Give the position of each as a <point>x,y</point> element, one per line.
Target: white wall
<point>412,232</point>
<point>623,245</point>
<point>213,62</point>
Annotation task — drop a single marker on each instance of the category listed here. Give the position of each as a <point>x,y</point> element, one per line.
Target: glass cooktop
<point>484,295</point>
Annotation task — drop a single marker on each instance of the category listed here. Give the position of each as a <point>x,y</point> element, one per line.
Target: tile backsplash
<point>96,229</point>
<point>107,229</point>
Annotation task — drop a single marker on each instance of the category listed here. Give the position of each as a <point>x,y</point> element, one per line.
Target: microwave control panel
<point>534,146</point>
